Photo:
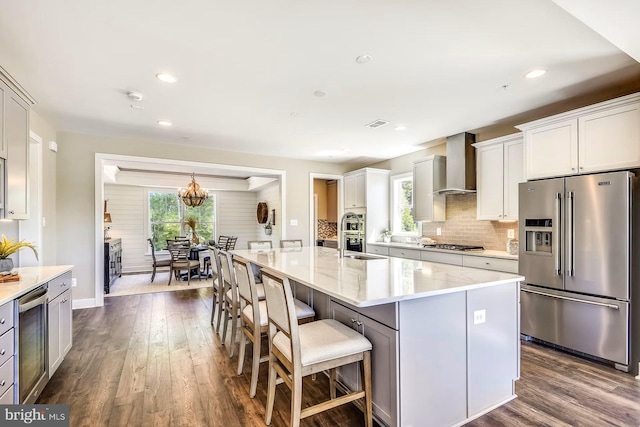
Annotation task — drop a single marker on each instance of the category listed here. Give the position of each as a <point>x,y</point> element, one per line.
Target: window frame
<point>147,217</point>
<point>395,206</point>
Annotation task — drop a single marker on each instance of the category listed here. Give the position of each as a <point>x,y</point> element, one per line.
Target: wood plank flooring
<point>154,360</point>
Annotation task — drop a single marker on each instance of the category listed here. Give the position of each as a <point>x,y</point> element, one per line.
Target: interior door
<point>597,234</point>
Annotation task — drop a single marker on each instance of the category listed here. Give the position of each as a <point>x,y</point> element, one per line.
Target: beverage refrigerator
<point>578,237</point>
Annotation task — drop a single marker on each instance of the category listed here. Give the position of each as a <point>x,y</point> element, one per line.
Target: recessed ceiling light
<point>164,123</point>
<point>320,93</point>
<point>167,78</point>
<point>400,128</point>
<point>535,74</point>
<point>363,59</point>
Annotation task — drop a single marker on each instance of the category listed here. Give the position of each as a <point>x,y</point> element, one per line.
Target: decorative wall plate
<point>262,213</point>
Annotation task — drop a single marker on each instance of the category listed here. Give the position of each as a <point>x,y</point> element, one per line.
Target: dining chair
<point>296,243</point>
<point>298,351</point>
<point>222,242</point>
<point>180,260</point>
<point>259,244</point>
<point>253,319</point>
<point>231,243</point>
<point>157,263</point>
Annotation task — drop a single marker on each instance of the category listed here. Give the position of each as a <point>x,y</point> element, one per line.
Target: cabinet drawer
<point>6,375</point>
<point>440,257</point>
<point>380,250</point>
<point>405,253</point>
<point>497,264</point>
<point>59,284</point>
<point>6,317</point>
<point>6,346</point>
<point>386,314</point>
<point>7,397</point>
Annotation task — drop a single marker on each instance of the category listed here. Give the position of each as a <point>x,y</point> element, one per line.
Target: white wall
<point>237,216</point>
<point>271,195</point>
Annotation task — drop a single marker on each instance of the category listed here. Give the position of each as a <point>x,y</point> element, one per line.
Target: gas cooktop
<point>453,247</point>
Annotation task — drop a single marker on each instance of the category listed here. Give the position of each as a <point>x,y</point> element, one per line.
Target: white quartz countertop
<point>30,278</point>
<point>486,253</point>
<point>372,282</point>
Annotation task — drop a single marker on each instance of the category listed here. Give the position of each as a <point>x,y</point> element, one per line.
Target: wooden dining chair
<point>259,244</point>
<point>299,351</point>
<point>157,263</point>
<point>296,243</point>
<point>231,243</point>
<point>253,319</point>
<point>180,260</point>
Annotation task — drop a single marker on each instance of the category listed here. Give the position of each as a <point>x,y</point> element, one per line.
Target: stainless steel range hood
<point>461,164</point>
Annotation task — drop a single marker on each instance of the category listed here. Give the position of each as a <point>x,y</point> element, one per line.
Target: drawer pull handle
<point>2,383</point>
<point>2,321</point>
<point>2,352</point>
<point>353,320</point>
<point>613,306</point>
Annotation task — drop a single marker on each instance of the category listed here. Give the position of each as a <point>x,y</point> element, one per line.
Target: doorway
<point>325,211</point>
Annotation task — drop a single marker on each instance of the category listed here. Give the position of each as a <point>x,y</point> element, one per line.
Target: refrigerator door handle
<point>612,306</point>
<point>570,233</point>
<point>556,234</point>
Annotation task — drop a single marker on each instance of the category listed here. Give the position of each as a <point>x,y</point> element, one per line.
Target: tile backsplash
<point>462,227</point>
<point>327,230</point>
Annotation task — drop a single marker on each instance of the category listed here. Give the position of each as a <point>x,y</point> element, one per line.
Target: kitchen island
<point>445,338</point>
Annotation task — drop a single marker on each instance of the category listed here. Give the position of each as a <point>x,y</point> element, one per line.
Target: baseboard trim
<point>84,303</point>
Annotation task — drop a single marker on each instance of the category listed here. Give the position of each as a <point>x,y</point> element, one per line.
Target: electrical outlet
<point>479,316</point>
<point>510,233</point>
<point>439,231</point>
<point>293,222</point>
<point>74,282</point>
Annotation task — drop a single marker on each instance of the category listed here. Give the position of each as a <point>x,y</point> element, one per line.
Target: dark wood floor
<point>153,360</point>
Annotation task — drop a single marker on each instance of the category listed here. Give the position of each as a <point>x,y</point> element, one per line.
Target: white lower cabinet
<point>60,329</point>
<point>443,258</point>
<point>379,250</point>
<point>384,362</point>
<point>488,263</point>
<point>405,253</point>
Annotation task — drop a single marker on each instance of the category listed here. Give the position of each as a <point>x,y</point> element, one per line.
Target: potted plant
<point>10,247</point>
<point>386,235</point>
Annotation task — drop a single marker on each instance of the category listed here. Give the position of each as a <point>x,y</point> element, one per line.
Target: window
<point>167,214</point>
<point>402,214</point>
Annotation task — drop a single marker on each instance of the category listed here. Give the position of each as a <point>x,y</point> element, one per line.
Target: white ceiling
<point>247,70</point>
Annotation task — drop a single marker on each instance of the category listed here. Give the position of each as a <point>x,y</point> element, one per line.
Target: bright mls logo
<point>35,415</point>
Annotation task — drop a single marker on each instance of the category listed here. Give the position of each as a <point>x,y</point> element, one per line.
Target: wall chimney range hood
<point>461,164</point>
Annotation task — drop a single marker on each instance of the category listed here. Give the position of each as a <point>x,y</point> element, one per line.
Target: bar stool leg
<point>366,386</point>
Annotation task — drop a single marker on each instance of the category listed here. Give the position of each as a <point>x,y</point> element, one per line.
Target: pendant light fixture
<point>193,196</point>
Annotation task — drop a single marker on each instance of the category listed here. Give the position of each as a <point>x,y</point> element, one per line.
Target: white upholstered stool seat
<point>303,311</point>
<point>323,340</point>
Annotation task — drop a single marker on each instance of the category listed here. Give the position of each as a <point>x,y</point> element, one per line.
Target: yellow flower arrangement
<point>11,246</point>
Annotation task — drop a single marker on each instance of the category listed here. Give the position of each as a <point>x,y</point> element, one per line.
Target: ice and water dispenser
<point>538,236</point>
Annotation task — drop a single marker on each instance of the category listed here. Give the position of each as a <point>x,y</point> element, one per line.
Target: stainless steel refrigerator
<point>577,239</point>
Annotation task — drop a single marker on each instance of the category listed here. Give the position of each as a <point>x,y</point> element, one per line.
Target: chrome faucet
<point>343,241</point>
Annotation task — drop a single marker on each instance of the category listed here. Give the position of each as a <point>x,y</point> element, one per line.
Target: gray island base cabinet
<point>445,338</point>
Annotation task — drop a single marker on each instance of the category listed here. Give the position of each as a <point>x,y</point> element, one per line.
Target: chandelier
<point>193,195</point>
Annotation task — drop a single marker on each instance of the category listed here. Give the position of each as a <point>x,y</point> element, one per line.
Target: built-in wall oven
<point>354,232</point>
<point>31,319</point>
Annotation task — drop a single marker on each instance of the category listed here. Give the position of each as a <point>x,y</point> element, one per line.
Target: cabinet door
<point>349,375</point>
<point>66,323</point>
<point>360,191</point>
<point>17,134</point>
<point>349,192</point>
<point>55,352</point>
<point>384,368</point>
<point>3,140</point>
<point>427,206</point>
<point>513,176</point>
<point>490,182</point>
<point>551,150</point>
<point>610,139</point>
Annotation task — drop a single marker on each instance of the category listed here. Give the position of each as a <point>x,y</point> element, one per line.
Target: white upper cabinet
<point>17,134</point>
<point>354,190</point>
<point>499,171</point>
<point>429,176</point>
<point>601,137</point>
